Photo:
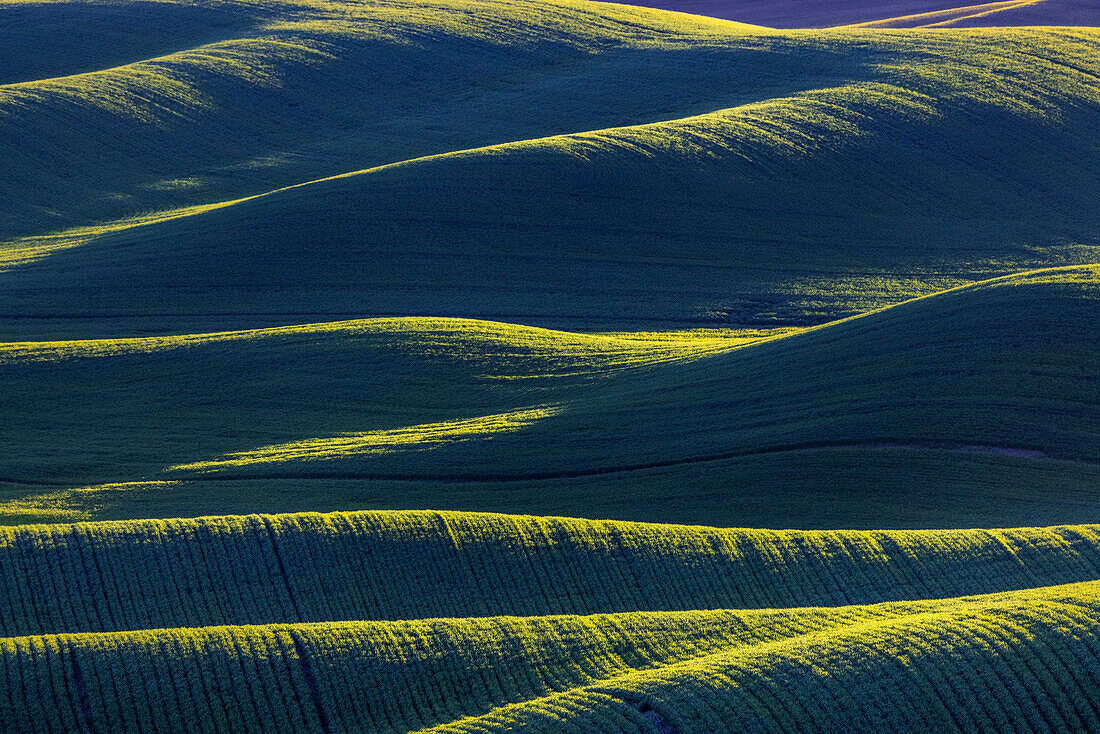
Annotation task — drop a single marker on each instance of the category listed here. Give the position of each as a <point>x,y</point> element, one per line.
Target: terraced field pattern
<point>486,366</point>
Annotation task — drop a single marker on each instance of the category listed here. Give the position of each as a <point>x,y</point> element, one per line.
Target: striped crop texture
<point>974,664</point>
<point>99,577</point>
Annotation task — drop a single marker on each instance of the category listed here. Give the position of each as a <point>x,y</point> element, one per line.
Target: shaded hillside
<point>477,366</point>
<point>920,414</point>
<point>175,104</point>
<point>831,172</point>
<point>40,40</point>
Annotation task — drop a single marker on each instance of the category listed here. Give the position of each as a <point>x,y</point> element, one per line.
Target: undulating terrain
<point>549,365</point>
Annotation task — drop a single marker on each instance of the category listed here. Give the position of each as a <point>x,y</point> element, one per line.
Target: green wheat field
<point>485,366</point>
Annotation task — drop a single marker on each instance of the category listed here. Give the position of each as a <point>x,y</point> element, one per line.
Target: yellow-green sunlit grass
<point>858,487</point>
<point>172,111</point>
<point>482,644</point>
<point>359,566</point>
<point>423,437</point>
<point>486,342</point>
<point>40,510</point>
<point>23,250</point>
<point>478,674</point>
<point>1029,658</point>
<point>478,366</point>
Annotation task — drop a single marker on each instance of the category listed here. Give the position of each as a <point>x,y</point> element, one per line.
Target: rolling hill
<point>814,176</point>
<point>1007,13</point>
<point>688,672</point>
<point>920,415</point>
<point>250,655</point>
<point>241,98</point>
<point>549,366</point>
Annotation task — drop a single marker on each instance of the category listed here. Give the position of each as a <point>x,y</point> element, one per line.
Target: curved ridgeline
<point>890,13</point>
<point>420,672</point>
<point>205,207</point>
<point>1025,664</point>
<point>759,176</point>
<point>1030,659</point>
<point>415,565</point>
<point>974,407</point>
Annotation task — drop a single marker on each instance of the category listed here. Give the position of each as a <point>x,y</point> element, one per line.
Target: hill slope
<point>208,101</point>
<point>690,671</point>
<point>557,258</point>
<point>828,173</point>
<point>881,676</point>
<point>1031,651</point>
<point>116,576</point>
<point>981,392</point>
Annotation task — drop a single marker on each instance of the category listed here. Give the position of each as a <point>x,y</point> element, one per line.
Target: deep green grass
<point>66,38</point>
<point>254,95</point>
<point>823,488</point>
<point>762,176</point>
<point>1028,663</point>
<point>864,423</point>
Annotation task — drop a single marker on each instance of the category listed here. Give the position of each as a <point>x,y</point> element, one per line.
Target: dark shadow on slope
<point>45,40</point>
<point>663,725</point>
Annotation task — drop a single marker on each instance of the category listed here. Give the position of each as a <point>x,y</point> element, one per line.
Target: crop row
<point>311,567</point>
<point>411,674</point>
<point>391,677</point>
<point>1026,665</point>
